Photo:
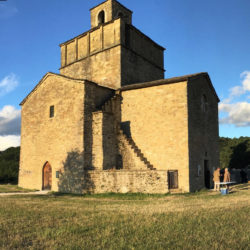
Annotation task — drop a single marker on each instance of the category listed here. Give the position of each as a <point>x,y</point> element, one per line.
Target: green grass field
<point>8,188</point>
<point>204,220</point>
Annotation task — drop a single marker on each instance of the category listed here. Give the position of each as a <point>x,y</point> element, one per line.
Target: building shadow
<point>112,159</point>
<point>88,126</point>
<point>73,178</point>
<point>125,126</point>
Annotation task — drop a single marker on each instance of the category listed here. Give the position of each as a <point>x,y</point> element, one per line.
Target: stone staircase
<point>112,105</point>
<point>137,151</point>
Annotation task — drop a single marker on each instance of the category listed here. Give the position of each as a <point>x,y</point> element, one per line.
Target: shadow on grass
<point>244,186</point>
<point>115,196</point>
<point>206,194</point>
<point>197,193</point>
<point>240,187</point>
<point>10,188</point>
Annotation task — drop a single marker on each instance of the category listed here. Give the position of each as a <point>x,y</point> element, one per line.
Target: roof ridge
<point>43,78</point>
<point>169,81</point>
<point>59,75</point>
<point>161,81</point>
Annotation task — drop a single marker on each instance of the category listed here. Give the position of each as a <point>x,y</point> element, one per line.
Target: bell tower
<point>113,53</point>
<point>108,11</point>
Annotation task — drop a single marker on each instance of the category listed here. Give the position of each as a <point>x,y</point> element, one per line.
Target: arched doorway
<point>47,176</point>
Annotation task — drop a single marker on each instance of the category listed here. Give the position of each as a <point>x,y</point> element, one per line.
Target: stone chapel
<point>110,122</point>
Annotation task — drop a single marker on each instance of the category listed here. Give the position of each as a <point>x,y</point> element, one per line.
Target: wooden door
<point>173,179</point>
<point>47,176</point>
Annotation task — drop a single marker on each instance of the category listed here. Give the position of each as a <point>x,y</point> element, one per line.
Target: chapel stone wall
<point>203,131</point>
<point>157,120</point>
<point>94,97</point>
<point>112,55</point>
<point>94,55</point>
<point>136,69</point>
<point>124,181</point>
<point>50,139</point>
<point>104,148</point>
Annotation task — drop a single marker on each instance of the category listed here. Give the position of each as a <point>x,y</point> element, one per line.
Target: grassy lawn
<point>8,188</point>
<point>203,220</point>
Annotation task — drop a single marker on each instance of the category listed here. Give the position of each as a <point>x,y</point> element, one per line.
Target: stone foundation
<point>122,181</point>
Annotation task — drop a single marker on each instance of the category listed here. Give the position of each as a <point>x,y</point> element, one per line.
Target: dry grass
<point>203,220</point>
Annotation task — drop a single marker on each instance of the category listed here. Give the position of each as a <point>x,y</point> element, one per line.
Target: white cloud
<point>7,84</point>
<point>239,90</point>
<point>238,114</point>
<point>246,80</point>
<point>10,121</point>
<point>6,10</point>
<point>9,141</point>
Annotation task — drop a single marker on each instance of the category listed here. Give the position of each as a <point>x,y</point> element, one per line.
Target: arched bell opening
<point>101,17</point>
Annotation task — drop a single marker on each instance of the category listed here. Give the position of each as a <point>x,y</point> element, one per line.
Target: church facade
<point>110,122</point>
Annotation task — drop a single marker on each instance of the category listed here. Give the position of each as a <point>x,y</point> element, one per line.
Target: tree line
<point>9,165</point>
<point>234,153</point>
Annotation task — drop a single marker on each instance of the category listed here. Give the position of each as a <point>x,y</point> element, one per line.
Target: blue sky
<point>199,36</point>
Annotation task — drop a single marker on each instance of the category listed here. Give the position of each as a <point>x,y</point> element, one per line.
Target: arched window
<point>204,103</point>
<point>120,14</point>
<point>101,17</point>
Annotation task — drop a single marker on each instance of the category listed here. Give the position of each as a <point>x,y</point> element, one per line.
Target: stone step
<point>137,151</point>
<point>140,155</point>
<point>108,103</point>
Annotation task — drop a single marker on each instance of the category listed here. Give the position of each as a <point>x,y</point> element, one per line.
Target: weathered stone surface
<point>104,141</point>
<point>50,139</point>
<point>53,139</point>
<point>137,69</point>
<point>130,159</point>
<point>123,181</point>
<point>100,68</point>
<point>203,131</point>
<point>112,54</point>
<point>112,10</point>
<point>158,118</point>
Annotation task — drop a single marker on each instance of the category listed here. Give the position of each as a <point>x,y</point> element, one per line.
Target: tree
<point>235,153</point>
<point>9,165</point>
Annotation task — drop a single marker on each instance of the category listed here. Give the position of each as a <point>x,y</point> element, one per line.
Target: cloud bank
<point>9,141</point>
<point>8,84</point>
<point>238,113</point>
<point>10,118</point>
<point>10,122</point>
